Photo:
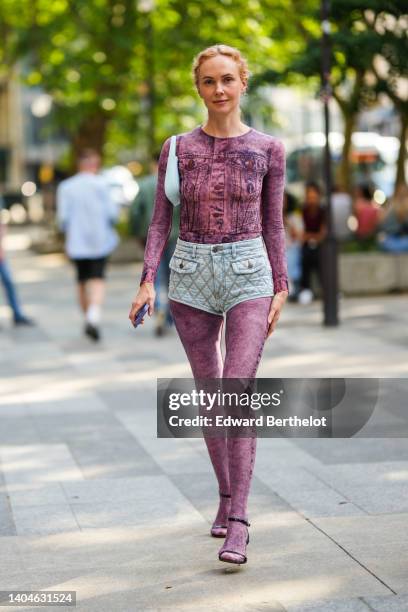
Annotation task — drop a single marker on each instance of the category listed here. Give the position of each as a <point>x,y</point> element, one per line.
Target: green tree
<point>390,68</point>
<point>355,44</point>
<point>119,71</point>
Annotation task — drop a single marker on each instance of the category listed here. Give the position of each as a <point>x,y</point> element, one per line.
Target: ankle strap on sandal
<point>239,520</point>
<point>224,495</point>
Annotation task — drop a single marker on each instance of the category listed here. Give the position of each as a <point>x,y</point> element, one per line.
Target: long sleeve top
<point>86,213</point>
<point>231,189</point>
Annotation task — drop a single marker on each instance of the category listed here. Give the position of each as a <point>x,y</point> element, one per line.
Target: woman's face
<point>219,84</point>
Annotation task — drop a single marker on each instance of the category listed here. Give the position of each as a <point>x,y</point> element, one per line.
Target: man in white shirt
<point>86,214</point>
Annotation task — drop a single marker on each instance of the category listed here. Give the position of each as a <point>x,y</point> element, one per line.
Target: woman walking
<point>231,192</point>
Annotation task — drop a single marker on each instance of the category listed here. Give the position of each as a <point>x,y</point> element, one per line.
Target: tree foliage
<point>119,71</point>
<point>362,34</point>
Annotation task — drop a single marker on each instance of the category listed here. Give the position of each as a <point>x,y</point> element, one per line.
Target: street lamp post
<point>329,245</point>
<point>146,7</point>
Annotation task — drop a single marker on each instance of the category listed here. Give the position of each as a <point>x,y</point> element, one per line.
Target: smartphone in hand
<point>139,315</point>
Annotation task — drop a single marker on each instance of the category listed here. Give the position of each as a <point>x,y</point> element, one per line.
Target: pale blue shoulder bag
<point>172,178</point>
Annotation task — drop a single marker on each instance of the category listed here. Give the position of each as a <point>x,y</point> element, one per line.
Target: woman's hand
<point>145,295</point>
<point>276,307</point>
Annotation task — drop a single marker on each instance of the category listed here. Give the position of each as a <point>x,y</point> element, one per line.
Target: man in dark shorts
<point>87,213</point>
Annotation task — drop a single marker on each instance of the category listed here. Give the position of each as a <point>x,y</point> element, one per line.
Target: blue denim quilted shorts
<point>216,277</point>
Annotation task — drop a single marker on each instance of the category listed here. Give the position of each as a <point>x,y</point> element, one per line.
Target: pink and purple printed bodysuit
<point>231,189</point>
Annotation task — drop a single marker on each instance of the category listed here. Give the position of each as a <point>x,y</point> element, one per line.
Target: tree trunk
<point>152,92</point>
<point>400,178</point>
<point>91,134</point>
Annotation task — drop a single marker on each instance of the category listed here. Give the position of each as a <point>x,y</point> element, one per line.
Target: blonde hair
<point>220,49</point>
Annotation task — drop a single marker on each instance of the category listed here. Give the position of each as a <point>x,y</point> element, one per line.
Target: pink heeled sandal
<point>220,530</point>
<point>227,554</point>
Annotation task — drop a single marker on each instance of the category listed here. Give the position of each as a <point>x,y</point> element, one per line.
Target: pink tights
<point>245,334</point>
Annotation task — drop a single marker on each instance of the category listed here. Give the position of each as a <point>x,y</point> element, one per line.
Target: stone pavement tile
<point>30,335</point>
<point>12,411</point>
<point>388,603</point>
<point>347,477</point>
<point>49,518</point>
<point>345,357</point>
<point>318,503</point>
<point>283,453</point>
<point>355,450</point>
<point>363,531</point>
<point>303,564</point>
<point>11,557</point>
<point>153,573</point>
<point>125,589</point>
<point>13,578</point>
<point>172,455</point>
<point>79,403</point>
<point>30,368</point>
<point>77,426</point>
<point>354,604</point>
<point>24,465</point>
<point>42,494</point>
<point>164,350</point>
<point>120,457</point>
<point>158,500</point>
<point>374,499</point>
<point>390,565</point>
<point>129,401</point>
<point>7,526</point>
<point>7,346</point>
<point>304,491</point>
<point>377,542</point>
<point>108,490</point>
<point>384,424</point>
<point>43,355</point>
<point>165,545</point>
<point>393,395</point>
<point>266,585</point>
<point>292,478</point>
<point>3,487</point>
<point>390,404</point>
<point>39,387</point>
<point>101,361</point>
<point>16,430</point>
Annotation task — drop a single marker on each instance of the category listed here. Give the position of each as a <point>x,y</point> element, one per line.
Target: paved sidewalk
<point>92,501</point>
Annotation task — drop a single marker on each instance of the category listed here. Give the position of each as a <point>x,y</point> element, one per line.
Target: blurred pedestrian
<point>87,214</point>
<point>394,223</point>
<point>292,220</point>
<point>314,222</point>
<point>341,206</point>
<point>140,214</point>
<point>366,212</point>
<point>19,317</point>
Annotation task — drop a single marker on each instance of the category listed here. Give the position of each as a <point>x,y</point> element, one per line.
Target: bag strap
<point>172,179</point>
<point>173,142</point>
